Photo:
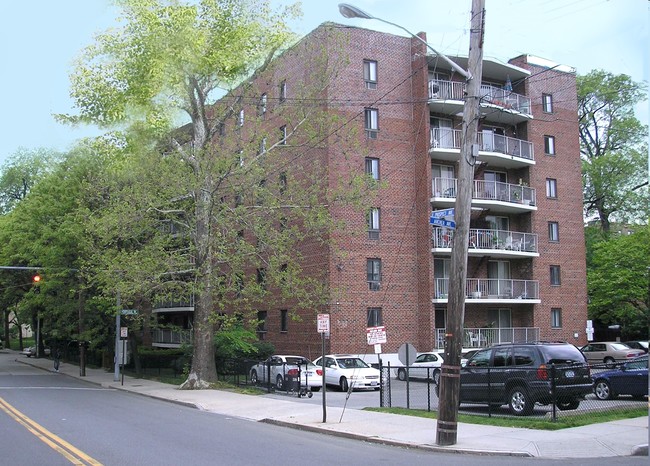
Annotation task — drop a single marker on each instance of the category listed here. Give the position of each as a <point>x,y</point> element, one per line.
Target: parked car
<point>640,345</point>
<point>609,352</point>
<point>631,378</point>
<point>283,368</point>
<point>31,351</point>
<point>520,375</point>
<point>348,372</point>
<point>425,366</point>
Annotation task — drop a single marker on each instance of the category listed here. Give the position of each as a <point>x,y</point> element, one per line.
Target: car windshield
<point>351,363</point>
<point>563,354</point>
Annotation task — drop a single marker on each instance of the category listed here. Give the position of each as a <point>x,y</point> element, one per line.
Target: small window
<point>549,145</point>
<point>222,129</point>
<point>374,274</point>
<point>555,275</point>
<point>283,135</point>
<point>370,74</point>
<point>374,317</point>
<point>283,91</point>
<point>556,317</point>
<point>553,231</point>
<point>241,118</point>
<point>261,278</point>
<point>262,149</point>
<point>372,167</point>
<point>371,122</point>
<point>284,320</point>
<point>547,103</point>
<point>551,188</point>
<point>283,182</point>
<point>373,223</point>
<point>263,102</point>
<point>261,321</point>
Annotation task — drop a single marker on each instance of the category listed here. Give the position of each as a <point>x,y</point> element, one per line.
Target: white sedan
<point>425,366</point>
<point>279,368</point>
<point>348,372</point>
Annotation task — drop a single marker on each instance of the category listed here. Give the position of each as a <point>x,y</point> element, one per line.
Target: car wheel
<point>401,374</point>
<point>279,383</point>
<point>343,384</point>
<point>519,403</point>
<point>609,362</point>
<point>436,377</point>
<point>567,405</point>
<point>254,377</point>
<point>603,391</point>
<point>315,389</point>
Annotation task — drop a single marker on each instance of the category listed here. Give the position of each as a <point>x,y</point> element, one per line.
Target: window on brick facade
<point>373,268</point>
<point>556,317</point>
<point>240,121</point>
<point>547,103</point>
<point>555,275</point>
<point>551,188</point>
<point>553,231</point>
<point>283,91</point>
<point>284,320</point>
<point>372,167</point>
<point>371,122</point>
<point>261,321</point>
<point>283,135</point>
<point>261,278</point>
<point>283,182</point>
<point>263,102</point>
<point>549,145</point>
<point>373,223</point>
<point>374,317</point>
<point>370,74</point>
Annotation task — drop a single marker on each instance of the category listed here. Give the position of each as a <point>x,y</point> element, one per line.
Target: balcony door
<point>495,185</point>
<point>499,283</point>
<point>444,180</point>
<point>501,320</point>
<point>494,139</point>
<point>443,133</point>
<point>441,270</point>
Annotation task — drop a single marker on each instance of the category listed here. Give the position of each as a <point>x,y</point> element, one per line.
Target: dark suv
<point>522,374</point>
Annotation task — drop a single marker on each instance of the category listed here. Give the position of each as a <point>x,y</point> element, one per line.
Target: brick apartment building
<point>403,108</point>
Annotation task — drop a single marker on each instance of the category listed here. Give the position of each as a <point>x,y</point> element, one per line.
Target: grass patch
<point>528,422</point>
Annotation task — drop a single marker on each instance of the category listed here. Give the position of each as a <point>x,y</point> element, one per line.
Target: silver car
<point>609,352</point>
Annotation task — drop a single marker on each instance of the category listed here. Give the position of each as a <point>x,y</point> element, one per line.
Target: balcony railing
<point>484,337</point>
<point>490,190</point>
<point>492,288</point>
<point>455,90</point>
<point>175,303</point>
<point>489,239</point>
<point>166,336</point>
<point>447,138</point>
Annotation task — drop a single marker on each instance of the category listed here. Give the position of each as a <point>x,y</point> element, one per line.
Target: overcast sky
<point>40,38</point>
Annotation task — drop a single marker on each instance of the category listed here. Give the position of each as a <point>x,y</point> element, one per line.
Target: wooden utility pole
<point>447,426</point>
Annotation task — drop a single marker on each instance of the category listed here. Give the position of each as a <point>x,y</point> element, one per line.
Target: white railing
<point>168,336</point>
<point>492,288</point>
<point>489,239</point>
<point>455,90</point>
<point>505,192</point>
<point>484,337</point>
<point>175,303</point>
<point>447,138</point>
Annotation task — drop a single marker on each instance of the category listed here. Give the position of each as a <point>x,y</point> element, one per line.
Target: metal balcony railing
<point>166,336</point>
<point>492,288</point>
<point>175,303</point>
<point>455,90</point>
<point>495,190</point>
<point>447,138</point>
<point>484,337</point>
<point>489,239</point>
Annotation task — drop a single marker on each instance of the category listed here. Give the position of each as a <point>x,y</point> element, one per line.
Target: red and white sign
<point>323,323</point>
<point>376,335</point>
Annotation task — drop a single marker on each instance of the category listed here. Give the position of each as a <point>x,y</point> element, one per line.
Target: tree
<point>618,281</point>
<point>239,200</point>
<point>613,148</point>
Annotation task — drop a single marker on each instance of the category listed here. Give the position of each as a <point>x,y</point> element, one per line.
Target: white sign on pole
<point>323,323</point>
<point>376,335</point>
<point>124,332</point>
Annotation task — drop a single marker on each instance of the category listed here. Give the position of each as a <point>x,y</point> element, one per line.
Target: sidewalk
<point>617,438</point>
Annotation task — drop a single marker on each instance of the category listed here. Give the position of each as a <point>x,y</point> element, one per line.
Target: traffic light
<point>36,278</point>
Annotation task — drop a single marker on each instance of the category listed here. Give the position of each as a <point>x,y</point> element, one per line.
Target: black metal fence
<point>550,393</point>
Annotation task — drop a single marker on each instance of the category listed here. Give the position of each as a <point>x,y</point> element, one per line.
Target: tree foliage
<point>613,147</point>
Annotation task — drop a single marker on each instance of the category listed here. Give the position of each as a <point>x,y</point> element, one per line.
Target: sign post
<point>323,328</point>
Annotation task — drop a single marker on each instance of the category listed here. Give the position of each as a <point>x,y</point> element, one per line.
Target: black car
<point>523,374</point>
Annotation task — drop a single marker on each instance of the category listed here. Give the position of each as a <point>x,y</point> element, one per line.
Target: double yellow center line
<point>72,454</point>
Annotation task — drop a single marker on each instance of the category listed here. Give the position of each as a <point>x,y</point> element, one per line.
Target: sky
<point>40,39</point>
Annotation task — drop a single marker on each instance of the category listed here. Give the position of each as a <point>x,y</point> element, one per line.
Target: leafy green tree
<point>618,282</point>
<point>614,149</point>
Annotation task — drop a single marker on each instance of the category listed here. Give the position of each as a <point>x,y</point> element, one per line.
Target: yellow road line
<point>71,453</point>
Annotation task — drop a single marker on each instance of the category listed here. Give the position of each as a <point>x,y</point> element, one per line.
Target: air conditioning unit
<point>374,286</point>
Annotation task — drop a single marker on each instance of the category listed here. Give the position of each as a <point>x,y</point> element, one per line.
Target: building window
<point>283,91</point>
<point>261,278</point>
<point>283,182</point>
<point>222,129</point>
<point>372,167</point>
<point>283,135</point>
<point>240,122</point>
<point>373,267</point>
<point>547,103</point>
<point>261,321</point>
<point>556,317</point>
<point>551,188</point>
<point>549,145</point>
<point>284,321</point>
<point>553,231</point>
<point>374,317</point>
<point>263,102</point>
<point>370,74</point>
<point>555,275</point>
<point>373,223</point>
<point>371,122</point>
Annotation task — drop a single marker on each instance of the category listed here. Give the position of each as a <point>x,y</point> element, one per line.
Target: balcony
<point>493,195</point>
<point>495,149</point>
<point>492,290</point>
<point>497,104</point>
<point>496,243</point>
<point>484,337</point>
<point>174,305</point>
<point>169,338</point>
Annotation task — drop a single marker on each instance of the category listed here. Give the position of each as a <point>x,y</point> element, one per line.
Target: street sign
<point>323,323</point>
<point>407,354</point>
<point>124,332</point>
<point>129,312</point>
<point>376,335</point>
<point>443,213</point>
<point>439,222</point>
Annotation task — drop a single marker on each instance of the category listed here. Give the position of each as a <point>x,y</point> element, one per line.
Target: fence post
<point>553,393</point>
